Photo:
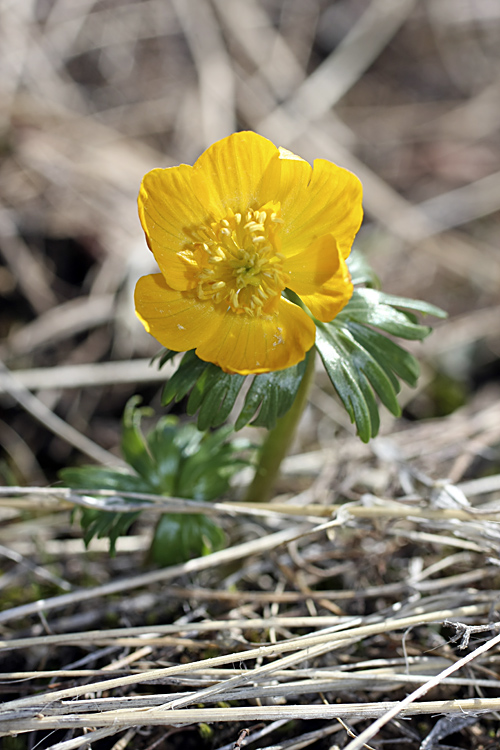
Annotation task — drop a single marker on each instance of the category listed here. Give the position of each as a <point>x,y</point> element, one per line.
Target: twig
<point>92,375</point>
<point>52,422</point>
<point>242,736</point>
<point>179,717</point>
<point>400,708</point>
<point>464,632</point>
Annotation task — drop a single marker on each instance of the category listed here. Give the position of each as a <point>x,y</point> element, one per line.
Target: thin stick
<point>255,546</point>
<point>400,708</point>
<point>183,716</point>
<point>52,422</point>
<point>92,375</point>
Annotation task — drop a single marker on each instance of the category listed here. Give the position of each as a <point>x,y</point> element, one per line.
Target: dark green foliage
<point>182,536</point>
<point>173,460</point>
<point>361,362</point>
<point>275,393</point>
<point>213,393</point>
<point>96,521</point>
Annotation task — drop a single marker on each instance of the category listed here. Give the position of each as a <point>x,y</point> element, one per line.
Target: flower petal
<point>178,320</point>
<point>168,208</point>
<point>234,173</point>
<point>313,267</point>
<point>319,201</point>
<point>249,345</point>
<point>320,277</point>
<point>295,175</point>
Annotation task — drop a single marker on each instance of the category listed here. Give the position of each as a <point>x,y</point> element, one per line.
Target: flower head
<point>232,233</point>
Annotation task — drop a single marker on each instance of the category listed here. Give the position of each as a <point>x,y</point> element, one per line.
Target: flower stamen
<point>241,265</point>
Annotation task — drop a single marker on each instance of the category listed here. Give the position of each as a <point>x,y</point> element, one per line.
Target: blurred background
<point>94,93</point>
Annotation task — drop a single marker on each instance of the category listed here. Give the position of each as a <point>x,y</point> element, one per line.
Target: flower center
<point>239,261</point>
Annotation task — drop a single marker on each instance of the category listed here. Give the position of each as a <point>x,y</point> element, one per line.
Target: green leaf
<point>206,474</point>
<point>272,393</point>
<point>363,363</point>
<point>355,375</point>
<point>101,478</point>
<point>361,271</point>
<point>394,360</point>
<point>184,378</point>
<point>166,455</point>
<point>372,307</point>
<point>213,393</point>
<point>134,447</point>
<point>163,356</point>
<point>95,521</point>
<point>210,485</point>
<point>416,305</point>
<point>180,537</point>
<point>173,459</point>
<point>102,523</point>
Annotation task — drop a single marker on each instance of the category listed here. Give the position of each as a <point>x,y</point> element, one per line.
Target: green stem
<point>279,440</point>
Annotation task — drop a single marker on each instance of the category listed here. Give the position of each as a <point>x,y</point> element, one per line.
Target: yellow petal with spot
<point>248,345</point>
<point>178,320</point>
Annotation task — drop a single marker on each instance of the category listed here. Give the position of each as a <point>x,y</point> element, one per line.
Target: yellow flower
<point>230,234</point>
